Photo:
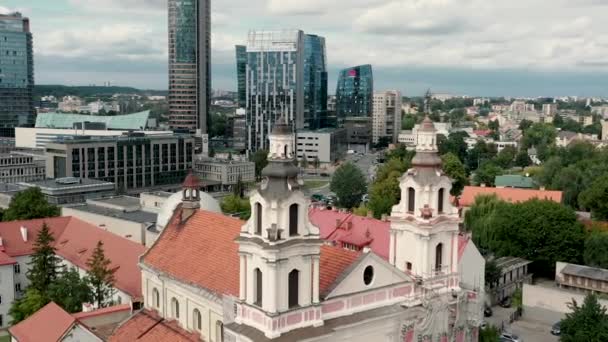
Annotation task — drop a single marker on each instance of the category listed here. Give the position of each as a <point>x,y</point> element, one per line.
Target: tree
<point>505,158</point>
<point>43,263</point>
<point>494,125</point>
<point>456,116</point>
<point>596,249</point>
<point>588,322</point>
<point>27,305</point>
<point>455,170</point>
<point>486,174</point>
<point>30,204</point>
<point>235,205</point>
<point>70,290</point>
<point>260,158</point>
<point>304,162</point>
<point>492,273</point>
<point>101,276</point>
<point>455,144</point>
<point>385,192</point>
<point>525,124</point>
<point>489,334</point>
<point>316,163</point>
<point>361,210</point>
<point>349,185</point>
<point>239,188</point>
<point>595,198</point>
<point>408,122</point>
<point>522,159</point>
<point>539,135</point>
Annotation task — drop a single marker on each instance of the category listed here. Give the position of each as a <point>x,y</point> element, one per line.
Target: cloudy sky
<point>473,47</point>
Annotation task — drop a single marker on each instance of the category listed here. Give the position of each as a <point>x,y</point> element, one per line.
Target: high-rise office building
<point>189,64</point>
<point>16,74</point>
<point>386,117</point>
<point>241,75</point>
<point>354,93</point>
<point>285,77</point>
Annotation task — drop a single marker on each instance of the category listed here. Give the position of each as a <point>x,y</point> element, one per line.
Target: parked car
<point>556,329</point>
<point>487,311</point>
<point>506,302</point>
<point>483,325</point>
<point>510,337</point>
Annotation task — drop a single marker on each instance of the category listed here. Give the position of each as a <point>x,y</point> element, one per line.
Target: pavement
<point>366,163</point>
<point>528,329</point>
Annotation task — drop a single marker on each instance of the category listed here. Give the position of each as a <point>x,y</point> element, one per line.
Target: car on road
<point>556,329</point>
<point>510,337</point>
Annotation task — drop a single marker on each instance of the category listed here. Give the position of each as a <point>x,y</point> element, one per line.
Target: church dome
<point>207,203</point>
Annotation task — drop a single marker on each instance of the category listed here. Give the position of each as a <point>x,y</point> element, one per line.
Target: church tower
<point>279,248</point>
<point>424,225</point>
<point>191,196</point>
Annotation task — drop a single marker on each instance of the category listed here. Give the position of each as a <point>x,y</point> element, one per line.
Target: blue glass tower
<point>315,82</point>
<point>241,74</point>
<point>355,92</point>
<point>16,74</point>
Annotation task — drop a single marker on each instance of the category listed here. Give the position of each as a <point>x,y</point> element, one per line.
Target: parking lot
<point>527,328</point>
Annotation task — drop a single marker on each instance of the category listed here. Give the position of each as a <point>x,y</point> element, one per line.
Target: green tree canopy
<point>596,249</point>
<point>43,263</point>
<point>408,122</point>
<point>492,273</point>
<point>100,276</point>
<point>539,134</point>
<point>522,159</point>
<point>70,291</point>
<point>349,185</point>
<point>506,157</point>
<point>385,192</point>
<point>595,198</point>
<point>29,204</point>
<point>486,173</point>
<point>235,205</point>
<point>455,170</point>
<point>454,144</point>
<point>27,305</point>
<point>588,322</point>
<point>260,158</point>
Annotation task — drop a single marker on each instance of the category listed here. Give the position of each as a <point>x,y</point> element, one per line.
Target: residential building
<point>131,161</point>
<point>189,64</point>
<point>513,274</point>
<point>549,109</point>
<point>241,74</point>
<point>358,133</point>
<point>521,107</point>
<point>581,278</point>
<point>239,129</point>
<point>480,101</point>
<point>410,137</point>
<point>469,193</point>
<point>604,130</point>
<point>15,167</point>
<point>584,120</point>
<point>284,283</point>
<point>565,138</point>
<point>135,121</point>
<point>354,93</point>
<point>69,104</point>
<point>286,77</point>
<point>386,116</point>
<point>224,173</point>
<point>16,74</point>
<point>7,144</point>
<point>601,111</point>
<point>328,145</point>
<point>74,243</point>
<point>514,181</point>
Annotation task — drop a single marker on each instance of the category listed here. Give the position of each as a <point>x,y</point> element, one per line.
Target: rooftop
<point>586,272</point>
<point>139,216</point>
<point>48,324</point>
<point>507,262</point>
<point>469,194</point>
<point>147,326</point>
<point>135,121</point>
<point>514,181</point>
<point>68,183</point>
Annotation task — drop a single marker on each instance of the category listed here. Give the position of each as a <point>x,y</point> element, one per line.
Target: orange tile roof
<point>103,311</point>
<point>6,259</point>
<point>203,253</point>
<point>507,194</point>
<point>48,324</point>
<point>149,326</point>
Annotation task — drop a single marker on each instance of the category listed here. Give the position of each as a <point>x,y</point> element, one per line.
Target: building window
<point>368,275</point>
<point>411,199</point>
<point>408,266</point>
<point>219,331</point>
<point>293,219</point>
<point>257,278</point>
<point>294,292</point>
<point>440,200</point>
<point>175,308</point>
<point>258,218</point>
<point>18,287</point>
<point>1,320</point>
<point>155,298</point>
<point>17,269</point>
<point>438,256</point>
<point>196,316</point>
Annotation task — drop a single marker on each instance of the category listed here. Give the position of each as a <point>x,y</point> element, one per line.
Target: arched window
<point>294,291</point>
<point>219,331</point>
<point>155,298</point>
<point>411,200</point>
<point>258,218</point>
<point>257,278</point>
<point>197,320</point>
<point>440,200</point>
<point>174,308</point>
<point>293,219</point>
<point>438,256</point>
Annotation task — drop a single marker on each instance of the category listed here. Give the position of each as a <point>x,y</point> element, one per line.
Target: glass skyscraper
<point>315,82</point>
<point>355,92</point>
<point>16,74</point>
<point>241,73</point>
<point>189,64</point>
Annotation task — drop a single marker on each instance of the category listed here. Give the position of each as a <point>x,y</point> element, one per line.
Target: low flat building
<point>16,168</point>
<point>135,121</point>
<point>514,181</point>
<point>581,278</point>
<point>327,144</point>
<point>358,133</point>
<point>470,193</point>
<point>513,274</point>
<point>225,173</point>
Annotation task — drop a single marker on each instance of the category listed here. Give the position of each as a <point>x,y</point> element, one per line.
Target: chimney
<point>24,233</point>
<point>483,185</point>
<point>349,225</point>
<point>338,223</point>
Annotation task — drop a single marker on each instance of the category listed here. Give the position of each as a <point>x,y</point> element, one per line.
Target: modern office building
<point>224,173</point>
<point>189,64</point>
<point>241,74</point>
<point>354,93</point>
<point>131,161</point>
<point>358,133</point>
<point>134,121</point>
<point>16,168</point>
<point>326,144</point>
<point>16,74</point>
<point>386,118</point>
<point>285,77</point>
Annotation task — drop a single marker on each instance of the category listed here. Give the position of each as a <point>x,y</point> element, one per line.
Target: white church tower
<point>424,225</point>
<point>279,248</point>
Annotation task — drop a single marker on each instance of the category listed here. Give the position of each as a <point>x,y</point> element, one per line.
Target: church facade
<point>215,278</point>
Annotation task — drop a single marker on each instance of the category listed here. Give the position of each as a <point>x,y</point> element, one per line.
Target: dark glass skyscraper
<point>355,92</point>
<point>16,74</point>
<point>241,74</point>
<point>315,82</point>
<point>189,64</point>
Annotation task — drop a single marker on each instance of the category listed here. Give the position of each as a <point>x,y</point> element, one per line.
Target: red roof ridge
<point>50,323</point>
<point>102,311</point>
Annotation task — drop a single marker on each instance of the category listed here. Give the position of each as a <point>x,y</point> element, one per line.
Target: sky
<point>461,47</point>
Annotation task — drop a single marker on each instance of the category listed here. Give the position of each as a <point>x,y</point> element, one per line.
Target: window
<point>293,219</point>
<point>368,275</point>
<point>17,269</point>
<point>285,151</point>
<point>219,331</point>
<point>18,287</point>
<point>408,266</point>
<point>0,302</point>
<point>257,278</point>
<point>1,320</point>
<point>294,279</point>
<point>411,199</point>
<point>258,218</point>
<point>155,298</point>
<point>438,256</point>
<point>440,200</point>
<point>196,316</point>
<point>175,308</point>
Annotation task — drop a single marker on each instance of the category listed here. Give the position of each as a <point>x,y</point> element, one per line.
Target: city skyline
<point>453,47</point>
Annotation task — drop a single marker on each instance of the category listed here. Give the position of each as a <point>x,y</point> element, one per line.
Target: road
<point>366,163</point>
<point>526,327</point>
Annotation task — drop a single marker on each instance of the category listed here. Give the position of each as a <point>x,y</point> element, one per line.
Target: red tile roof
<point>203,252</point>
<point>75,241</point>
<point>482,132</point>
<point>149,326</point>
<point>363,232</point>
<point>103,311</point>
<point>48,324</point>
<point>507,194</point>
<point>6,259</point>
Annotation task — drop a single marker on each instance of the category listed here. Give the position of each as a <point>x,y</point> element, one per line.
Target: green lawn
<point>6,338</point>
<point>313,184</point>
